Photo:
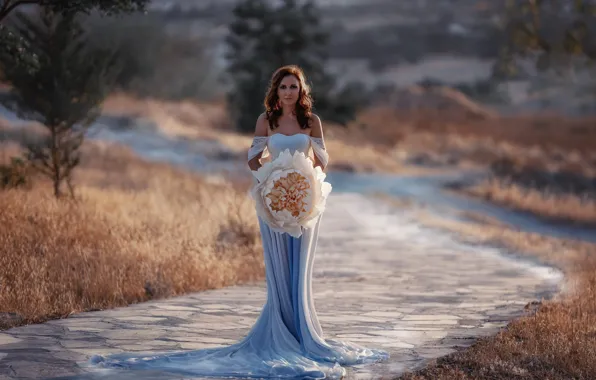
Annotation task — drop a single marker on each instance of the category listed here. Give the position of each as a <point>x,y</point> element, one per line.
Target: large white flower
<point>291,193</point>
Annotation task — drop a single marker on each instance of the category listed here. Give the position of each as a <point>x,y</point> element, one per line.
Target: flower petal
<point>290,180</point>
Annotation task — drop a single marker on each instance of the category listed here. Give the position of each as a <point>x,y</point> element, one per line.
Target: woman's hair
<point>273,109</point>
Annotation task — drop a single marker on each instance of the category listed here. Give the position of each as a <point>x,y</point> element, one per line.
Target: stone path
<point>381,280</point>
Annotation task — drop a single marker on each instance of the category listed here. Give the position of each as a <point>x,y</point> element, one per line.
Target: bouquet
<point>290,193</point>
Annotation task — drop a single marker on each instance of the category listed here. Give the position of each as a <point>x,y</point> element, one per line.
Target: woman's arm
<point>317,131</point>
<point>261,131</point>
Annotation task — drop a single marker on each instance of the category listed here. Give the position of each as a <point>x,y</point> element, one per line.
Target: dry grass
<point>556,342</point>
<point>551,132</point>
<point>570,208</point>
<point>439,136</point>
<point>137,231</point>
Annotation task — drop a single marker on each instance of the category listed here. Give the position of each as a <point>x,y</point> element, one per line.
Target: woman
<point>287,340</point>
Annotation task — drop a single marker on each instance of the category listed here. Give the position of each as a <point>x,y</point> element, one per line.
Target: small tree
<point>263,37</point>
<point>62,88</point>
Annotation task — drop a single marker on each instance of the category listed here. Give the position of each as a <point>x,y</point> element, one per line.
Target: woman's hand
<point>317,163</point>
<point>255,163</point>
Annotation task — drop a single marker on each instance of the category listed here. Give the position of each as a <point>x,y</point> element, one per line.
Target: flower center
<point>289,193</point>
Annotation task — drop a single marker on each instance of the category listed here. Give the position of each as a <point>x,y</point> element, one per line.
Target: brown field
<point>556,340</point>
<point>550,132</point>
<point>547,142</point>
<point>136,231</point>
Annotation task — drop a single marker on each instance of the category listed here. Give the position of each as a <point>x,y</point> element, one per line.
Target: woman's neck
<point>288,111</point>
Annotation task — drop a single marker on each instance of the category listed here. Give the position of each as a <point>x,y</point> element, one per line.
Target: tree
<point>73,6</point>
<point>555,34</point>
<point>62,88</point>
<point>264,37</point>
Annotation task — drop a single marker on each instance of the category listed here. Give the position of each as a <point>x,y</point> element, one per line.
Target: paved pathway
<point>381,280</point>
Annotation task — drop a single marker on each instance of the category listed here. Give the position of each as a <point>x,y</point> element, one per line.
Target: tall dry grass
<point>556,340</point>
<point>136,231</point>
<point>571,208</point>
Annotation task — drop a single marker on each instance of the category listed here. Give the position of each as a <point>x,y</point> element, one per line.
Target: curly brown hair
<point>273,110</point>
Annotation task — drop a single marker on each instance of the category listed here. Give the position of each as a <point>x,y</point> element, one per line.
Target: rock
<point>118,122</point>
<point>426,159</point>
<point>227,155</point>
<point>344,167</point>
<point>10,319</point>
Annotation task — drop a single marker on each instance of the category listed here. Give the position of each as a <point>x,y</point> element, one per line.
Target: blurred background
<point>503,72</point>
<point>143,111</point>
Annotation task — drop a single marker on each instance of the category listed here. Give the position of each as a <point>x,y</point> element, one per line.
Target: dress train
<point>286,340</point>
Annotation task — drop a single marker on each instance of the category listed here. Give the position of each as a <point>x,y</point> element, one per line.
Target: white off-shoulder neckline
<point>260,145</point>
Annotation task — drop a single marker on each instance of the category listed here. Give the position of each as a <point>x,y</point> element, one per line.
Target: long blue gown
<point>286,341</point>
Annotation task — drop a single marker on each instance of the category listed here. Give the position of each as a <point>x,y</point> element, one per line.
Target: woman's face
<point>289,90</point>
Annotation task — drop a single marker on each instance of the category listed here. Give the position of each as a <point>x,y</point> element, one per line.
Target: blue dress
<point>286,341</point>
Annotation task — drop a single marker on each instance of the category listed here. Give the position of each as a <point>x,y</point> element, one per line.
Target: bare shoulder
<point>316,125</point>
<point>261,125</point>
